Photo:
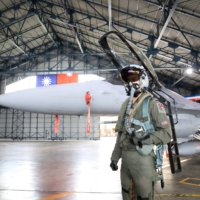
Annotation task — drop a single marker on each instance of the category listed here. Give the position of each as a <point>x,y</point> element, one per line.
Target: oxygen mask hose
<point>131,86</point>
<point>134,88</point>
<point>128,109</point>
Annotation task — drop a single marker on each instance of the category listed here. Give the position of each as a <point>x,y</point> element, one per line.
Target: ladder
<point>174,157</point>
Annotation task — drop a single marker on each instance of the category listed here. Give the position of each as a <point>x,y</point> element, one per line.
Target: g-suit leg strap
<point>130,193</point>
<point>126,191</point>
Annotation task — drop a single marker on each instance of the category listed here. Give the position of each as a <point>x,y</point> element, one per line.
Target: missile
<point>189,148</point>
<point>68,99</point>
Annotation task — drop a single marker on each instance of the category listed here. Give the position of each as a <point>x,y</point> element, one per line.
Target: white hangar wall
<point>15,124</point>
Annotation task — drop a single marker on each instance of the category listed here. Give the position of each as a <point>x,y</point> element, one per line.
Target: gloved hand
<point>113,165</point>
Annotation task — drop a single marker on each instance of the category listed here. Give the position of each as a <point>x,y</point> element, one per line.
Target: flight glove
<point>113,165</point>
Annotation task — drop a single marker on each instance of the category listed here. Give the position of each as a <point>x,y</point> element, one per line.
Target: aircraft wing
<point>177,100</point>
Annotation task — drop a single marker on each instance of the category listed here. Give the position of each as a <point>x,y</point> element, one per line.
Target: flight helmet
<point>138,74</point>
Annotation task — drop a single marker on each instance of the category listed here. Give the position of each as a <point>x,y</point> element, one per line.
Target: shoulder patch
<point>161,107</point>
<point>164,123</point>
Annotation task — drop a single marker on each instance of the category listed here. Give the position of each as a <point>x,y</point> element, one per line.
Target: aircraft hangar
<point>47,156</point>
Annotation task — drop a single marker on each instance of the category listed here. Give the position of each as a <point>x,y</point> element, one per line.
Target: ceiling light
<point>189,70</point>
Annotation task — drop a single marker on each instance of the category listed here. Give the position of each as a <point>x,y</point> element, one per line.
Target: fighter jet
<point>68,99</point>
<point>107,98</point>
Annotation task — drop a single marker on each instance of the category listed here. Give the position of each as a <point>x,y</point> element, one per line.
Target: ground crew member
<point>87,97</point>
<point>138,170</point>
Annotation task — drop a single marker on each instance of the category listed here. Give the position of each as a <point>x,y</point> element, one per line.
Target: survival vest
<point>148,128</point>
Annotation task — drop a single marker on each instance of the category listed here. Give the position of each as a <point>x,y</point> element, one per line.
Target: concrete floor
<point>77,170</point>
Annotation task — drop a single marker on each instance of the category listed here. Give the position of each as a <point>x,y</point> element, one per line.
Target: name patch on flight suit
<point>161,108</point>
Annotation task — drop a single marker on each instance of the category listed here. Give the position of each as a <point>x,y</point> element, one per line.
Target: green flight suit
<point>138,173</point>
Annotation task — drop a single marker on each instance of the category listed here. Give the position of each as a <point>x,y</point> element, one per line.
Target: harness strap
<point>145,121</point>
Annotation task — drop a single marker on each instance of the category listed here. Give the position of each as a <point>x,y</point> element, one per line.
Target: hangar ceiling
<point>35,31</point>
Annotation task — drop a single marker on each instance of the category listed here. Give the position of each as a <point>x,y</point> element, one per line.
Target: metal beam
<point>91,31</point>
<point>10,58</point>
<point>161,54</point>
<point>166,23</point>
<point>62,70</point>
<point>123,26</point>
<point>110,14</point>
<point>43,26</point>
<point>168,68</point>
<point>4,25</point>
<point>178,81</point>
<point>154,46</point>
<point>131,15</point>
<point>12,20</point>
<point>177,10</point>
<point>11,41</point>
<point>51,54</point>
<point>11,38</point>
<point>72,22</point>
<point>32,50</point>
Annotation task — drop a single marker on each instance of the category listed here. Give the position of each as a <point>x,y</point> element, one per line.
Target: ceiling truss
<point>35,32</point>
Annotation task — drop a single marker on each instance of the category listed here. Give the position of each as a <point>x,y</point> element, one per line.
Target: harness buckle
<point>140,130</point>
<point>144,119</point>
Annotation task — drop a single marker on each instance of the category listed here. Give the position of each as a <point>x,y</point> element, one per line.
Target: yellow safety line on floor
<point>179,195</point>
<point>57,196</point>
<point>184,181</point>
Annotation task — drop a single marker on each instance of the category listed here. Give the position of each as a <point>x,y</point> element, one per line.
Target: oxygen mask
<point>133,81</point>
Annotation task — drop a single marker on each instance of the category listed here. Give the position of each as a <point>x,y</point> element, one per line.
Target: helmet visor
<point>130,75</point>
<point>133,78</point>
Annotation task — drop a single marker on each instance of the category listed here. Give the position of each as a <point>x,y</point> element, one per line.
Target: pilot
<point>138,169</point>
